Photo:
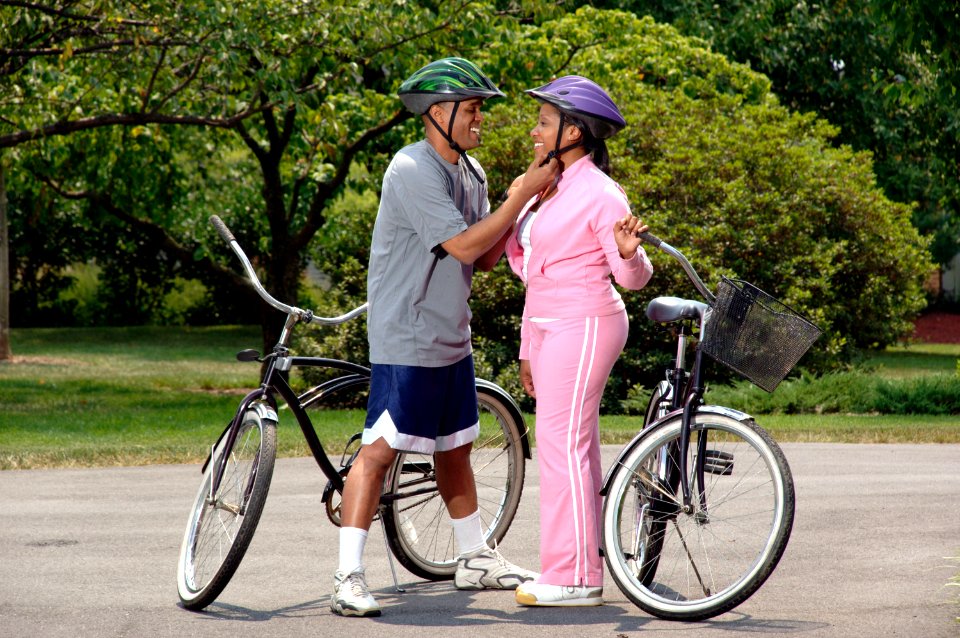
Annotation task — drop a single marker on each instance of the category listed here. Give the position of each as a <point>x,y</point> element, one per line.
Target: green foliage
<point>738,183</point>
<point>885,72</point>
<point>256,111</point>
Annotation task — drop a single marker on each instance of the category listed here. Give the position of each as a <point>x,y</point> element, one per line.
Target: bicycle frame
<point>279,361</point>
<point>687,388</point>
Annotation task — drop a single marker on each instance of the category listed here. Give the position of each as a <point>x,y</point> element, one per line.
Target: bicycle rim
<point>220,528</point>
<point>418,527</point>
<point>698,564</point>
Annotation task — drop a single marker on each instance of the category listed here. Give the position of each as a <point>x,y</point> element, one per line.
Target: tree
<point>5,352</point>
<point>305,89</point>
<point>885,72</point>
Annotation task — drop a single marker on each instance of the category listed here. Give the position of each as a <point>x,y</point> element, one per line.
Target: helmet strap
<point>448,135</point>
<point>557,150</point>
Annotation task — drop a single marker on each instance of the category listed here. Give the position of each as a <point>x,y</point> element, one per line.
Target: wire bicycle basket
<point>755,334</point>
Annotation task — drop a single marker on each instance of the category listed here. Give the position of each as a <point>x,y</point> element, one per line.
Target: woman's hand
<point>625,232</point>
<point>526,378</point>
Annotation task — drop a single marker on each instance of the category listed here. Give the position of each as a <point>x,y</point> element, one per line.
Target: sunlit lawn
<point>130,396</point>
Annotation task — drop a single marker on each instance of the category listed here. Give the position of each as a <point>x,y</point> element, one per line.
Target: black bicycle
<point>239,468</point>
<point>699,506</point>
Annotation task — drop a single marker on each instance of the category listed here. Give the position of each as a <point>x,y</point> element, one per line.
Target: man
<point>434,225</point>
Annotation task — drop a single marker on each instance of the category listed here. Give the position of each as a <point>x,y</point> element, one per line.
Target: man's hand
<point>537,178</point>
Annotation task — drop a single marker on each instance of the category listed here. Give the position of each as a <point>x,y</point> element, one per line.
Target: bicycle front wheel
<point>221,524</point>
<point>715,555</point>
<point>417,525</point>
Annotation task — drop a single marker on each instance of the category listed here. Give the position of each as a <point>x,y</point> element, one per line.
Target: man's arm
<point>482,244</point>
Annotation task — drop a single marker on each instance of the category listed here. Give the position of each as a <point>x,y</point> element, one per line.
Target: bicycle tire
<point>712,559</point>
<point>649,539</point>
<point>219,532</point>
<point>418,528</point>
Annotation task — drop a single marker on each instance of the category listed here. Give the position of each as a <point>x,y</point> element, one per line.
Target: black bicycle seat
<point>670,309</point>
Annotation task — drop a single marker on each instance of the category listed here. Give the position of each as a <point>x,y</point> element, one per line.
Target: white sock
<point>352,541</point>
<point>468,533</point>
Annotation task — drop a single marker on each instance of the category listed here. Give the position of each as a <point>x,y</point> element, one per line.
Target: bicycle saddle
<point>670,309</point>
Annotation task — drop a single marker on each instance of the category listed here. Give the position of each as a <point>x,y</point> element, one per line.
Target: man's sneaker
<point>350,595</point>
<point>538,595</point>
<point>487,569</point>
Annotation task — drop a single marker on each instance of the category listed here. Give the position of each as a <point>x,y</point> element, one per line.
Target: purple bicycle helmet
<point>585,100</point>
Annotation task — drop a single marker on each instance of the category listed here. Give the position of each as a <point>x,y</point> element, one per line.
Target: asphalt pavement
<point>93,553</point>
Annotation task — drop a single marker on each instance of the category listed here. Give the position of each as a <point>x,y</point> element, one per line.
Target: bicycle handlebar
<point>656,242</point>
<point>306,316</point>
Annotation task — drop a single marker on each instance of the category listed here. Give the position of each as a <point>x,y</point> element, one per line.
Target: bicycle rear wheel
<point>221,525</point>
<point>717,555</point>
<point>418,527</point>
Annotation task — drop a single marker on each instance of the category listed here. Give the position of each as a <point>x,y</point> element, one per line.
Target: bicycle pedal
<point>717,462</point>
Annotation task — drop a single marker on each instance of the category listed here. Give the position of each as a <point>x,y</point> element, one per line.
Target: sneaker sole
<point>340,610</point>
<point>530,600</point>
<point>469,586</point>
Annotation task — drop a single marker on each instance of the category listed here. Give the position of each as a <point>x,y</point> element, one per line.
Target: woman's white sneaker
<point>540,595</point>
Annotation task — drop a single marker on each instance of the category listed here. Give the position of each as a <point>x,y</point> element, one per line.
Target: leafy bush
<point>720,170</point>
<point>853,392</point>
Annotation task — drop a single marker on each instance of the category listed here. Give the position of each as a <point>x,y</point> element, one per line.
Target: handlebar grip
<point>222,229</point>
<point>650,238</point>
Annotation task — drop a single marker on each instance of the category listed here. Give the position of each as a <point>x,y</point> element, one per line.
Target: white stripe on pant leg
<point>578,476</point>
<point>583,397</point>
<point>570,473</point>
<point>574,468</point>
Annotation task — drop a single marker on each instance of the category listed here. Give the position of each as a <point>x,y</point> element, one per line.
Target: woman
<point>565,246</point>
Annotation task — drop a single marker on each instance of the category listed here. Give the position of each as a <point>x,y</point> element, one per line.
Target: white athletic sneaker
<point>538,595</point>
<point>487,569</point>
<point>350,595</point>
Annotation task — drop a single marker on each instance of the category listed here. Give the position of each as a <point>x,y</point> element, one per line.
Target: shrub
<point>738,183</point>
<point>851,392</point>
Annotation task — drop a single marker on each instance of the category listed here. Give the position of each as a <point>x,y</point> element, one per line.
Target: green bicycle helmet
<point>446,80</point>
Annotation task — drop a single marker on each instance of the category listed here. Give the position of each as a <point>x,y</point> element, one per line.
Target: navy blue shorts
<point>427,410</point>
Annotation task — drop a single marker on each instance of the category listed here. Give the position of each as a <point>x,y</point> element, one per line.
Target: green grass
<point>133,396</point>
<point>898,362</point>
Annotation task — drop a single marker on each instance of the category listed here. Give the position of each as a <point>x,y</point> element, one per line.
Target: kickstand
<point>393,571</point>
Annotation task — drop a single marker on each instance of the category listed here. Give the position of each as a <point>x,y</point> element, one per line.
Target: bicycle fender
<point>676,414</point>
<point>251,401</point>
<point>514,409</point>
<point>264,411</point>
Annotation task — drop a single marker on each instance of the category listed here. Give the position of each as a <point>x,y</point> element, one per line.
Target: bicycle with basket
<point>699,506</point>
<point>237,473</point>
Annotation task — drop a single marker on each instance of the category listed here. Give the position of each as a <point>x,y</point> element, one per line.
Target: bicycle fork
<point>691,402</point>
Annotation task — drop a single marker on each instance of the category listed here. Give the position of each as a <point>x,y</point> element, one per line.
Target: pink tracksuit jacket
<point>574,328</point>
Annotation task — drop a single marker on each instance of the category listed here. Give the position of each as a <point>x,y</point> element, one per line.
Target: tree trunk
<point>5,352</point>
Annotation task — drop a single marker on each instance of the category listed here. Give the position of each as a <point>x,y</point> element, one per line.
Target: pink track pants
<point>570,360</point>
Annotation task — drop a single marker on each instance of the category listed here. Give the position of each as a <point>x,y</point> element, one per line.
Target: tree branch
<point>66,127</point>
<point>60,13</point>
<point>326,189</point>
<point>153,79</point>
